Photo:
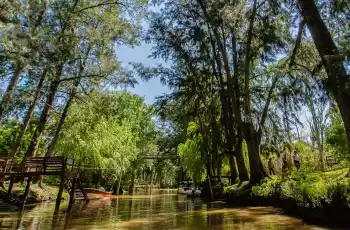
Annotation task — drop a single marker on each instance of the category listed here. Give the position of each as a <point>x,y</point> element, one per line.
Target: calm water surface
<point>161,210</point>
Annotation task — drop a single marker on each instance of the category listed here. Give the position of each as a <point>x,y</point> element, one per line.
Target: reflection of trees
<point>130,209</point>
<point>156,212</point>
<point>214,220</point>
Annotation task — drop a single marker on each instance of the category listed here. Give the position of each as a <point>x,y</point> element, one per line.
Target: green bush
<point>307,188</point>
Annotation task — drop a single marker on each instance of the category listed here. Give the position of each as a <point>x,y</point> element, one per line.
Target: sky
<point>126,54</point>
<point>152,88</point>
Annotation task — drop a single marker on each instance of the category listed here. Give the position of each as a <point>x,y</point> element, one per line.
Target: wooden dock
<point>32,167</point>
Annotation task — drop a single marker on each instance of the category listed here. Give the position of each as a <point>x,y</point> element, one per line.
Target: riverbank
<point>37,194</point>
<point>322,198</point>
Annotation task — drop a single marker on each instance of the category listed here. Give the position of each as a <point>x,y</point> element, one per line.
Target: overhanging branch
<point>100,4</point>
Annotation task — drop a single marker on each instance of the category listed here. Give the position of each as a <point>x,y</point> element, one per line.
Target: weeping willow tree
<point>107,132</point>
<point>191,156</point>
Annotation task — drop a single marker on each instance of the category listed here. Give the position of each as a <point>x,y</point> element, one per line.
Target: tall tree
<point>338,82</point>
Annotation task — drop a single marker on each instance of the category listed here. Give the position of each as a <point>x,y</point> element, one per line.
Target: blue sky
<point>126,54</point>
<point>152,88</point>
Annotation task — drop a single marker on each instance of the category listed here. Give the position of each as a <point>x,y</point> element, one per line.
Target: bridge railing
<point>38,165</point>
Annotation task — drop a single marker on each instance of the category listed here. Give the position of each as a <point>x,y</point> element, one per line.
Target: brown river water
<point>161,210</point>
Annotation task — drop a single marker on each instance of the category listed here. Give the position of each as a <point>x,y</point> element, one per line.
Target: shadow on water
<point>161,210</point>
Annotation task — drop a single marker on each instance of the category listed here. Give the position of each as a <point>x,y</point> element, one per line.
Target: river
<point>162,210</point>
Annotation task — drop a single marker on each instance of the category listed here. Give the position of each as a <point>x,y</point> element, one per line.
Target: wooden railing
<point>37,165</point>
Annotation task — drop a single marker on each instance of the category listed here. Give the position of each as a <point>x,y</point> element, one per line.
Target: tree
<point>338,82</point>
<point>108,136</point>
<point>336,138</point>
<point>190,154</point>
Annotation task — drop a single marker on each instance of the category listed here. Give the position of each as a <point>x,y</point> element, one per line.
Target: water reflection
<point>161,210</point>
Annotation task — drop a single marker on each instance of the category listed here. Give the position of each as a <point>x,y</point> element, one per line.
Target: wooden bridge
<point>160,157</point>
<point>32,167</point>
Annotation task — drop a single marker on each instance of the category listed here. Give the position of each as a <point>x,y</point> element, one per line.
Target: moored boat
<point>184,187</point>
<point>94,194</point>
<point>187,188</point>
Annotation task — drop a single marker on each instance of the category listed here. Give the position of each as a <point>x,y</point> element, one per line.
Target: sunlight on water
<point>160,210</point>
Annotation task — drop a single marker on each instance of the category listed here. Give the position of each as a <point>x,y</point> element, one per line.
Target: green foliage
<point>308,188</point>
<point>109,135</point>
<point>267,187</point>
<point>336,139</point>
<point>309,156</point>
<point>190,155</point>
<point>8,132</point>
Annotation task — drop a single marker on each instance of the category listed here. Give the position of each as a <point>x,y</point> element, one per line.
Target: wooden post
<point>68,215</point>
<point>60,190</point>
<point>26,192</point>
<point>72,192</point>
<point>9,190</point>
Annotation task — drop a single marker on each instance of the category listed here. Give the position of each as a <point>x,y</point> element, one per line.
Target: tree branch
<point>266,107</point>
<point>78,77</point>
<point>98,5</point>
<point>297,42</point>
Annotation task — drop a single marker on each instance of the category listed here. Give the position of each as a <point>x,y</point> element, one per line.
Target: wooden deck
<point>41,166</point>
<point>36,166</point>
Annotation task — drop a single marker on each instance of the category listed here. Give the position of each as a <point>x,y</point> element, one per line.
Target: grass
<point>307,188</point>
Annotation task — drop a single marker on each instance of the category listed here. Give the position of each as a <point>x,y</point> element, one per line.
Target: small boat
<point>94,194</point>
<point>193,192</point>
<point>186,188</point>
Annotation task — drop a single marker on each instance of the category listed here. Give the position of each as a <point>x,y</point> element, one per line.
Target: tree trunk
<point>219,166</point>
<point>34,143</point>
<point>132,184</point>
<point>62,119</point>
<point>209,168</point>
<point>17,143</point>
<point>242,169</point>
<point>117,186</point>
<point>322,158</point>
<point>247,96</point>
<point>8,93</point>
<point>338,81</point>
<point>257,170</point>
<point>233,169</point>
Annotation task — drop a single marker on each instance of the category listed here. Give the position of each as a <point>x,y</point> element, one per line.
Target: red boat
<point>96,193</point>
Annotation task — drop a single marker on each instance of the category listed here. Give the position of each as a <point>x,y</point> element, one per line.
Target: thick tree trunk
<point>233,169</point>
<point>8,93</point>
<point>257,170</point>
<point>338,81</point>
<point>214,162</point>
<point>219,166</point>
<point>34,143</point>
<point>209,169</point>
<point>17,143</point>
<point>242,169</point>
<point>247,59</point>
